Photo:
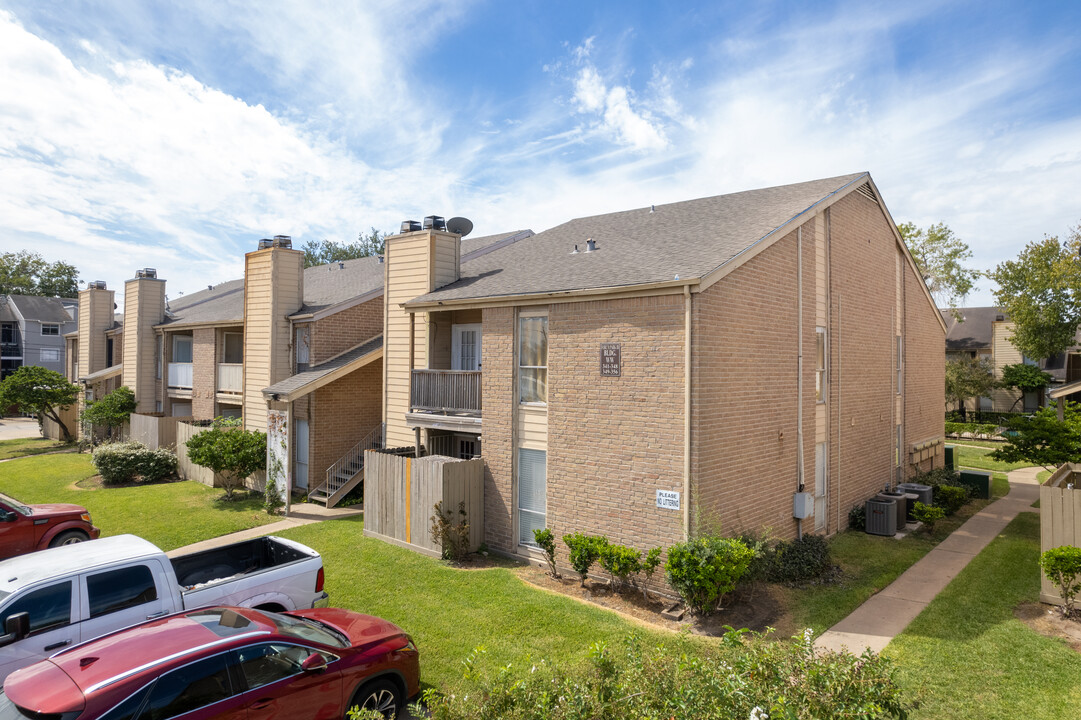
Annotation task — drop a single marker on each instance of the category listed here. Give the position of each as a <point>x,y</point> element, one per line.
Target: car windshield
<point>305,629</point>
<point>15,505</point>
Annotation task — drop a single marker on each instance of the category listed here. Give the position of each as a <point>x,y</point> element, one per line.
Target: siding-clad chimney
<point>144,307</point>
<point>273,290</point>
<point>96,305</point>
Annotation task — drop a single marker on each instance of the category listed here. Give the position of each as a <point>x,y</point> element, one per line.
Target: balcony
<point>230,378</point>
<point>451,392</point>
<point>180,375</point>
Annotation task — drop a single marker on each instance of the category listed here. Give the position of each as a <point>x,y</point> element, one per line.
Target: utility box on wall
<point>803,505</point>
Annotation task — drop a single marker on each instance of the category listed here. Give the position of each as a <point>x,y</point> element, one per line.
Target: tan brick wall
<point>342,413</point>
<point>925,373</point>
<point>334,334</point>
<point>497,449</point>
<point>204,373</point>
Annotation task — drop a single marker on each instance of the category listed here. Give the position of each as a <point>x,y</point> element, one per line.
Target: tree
<point>1043,439</point>
<point>229,451</point>
<point>1025,378</point>
<point>112,411</point>
<point>940,255</point>
<point>1041,292</point>
<point>328,251</point>
<point>39,391</point>
<point>966,378</point>
<point>28,273</point>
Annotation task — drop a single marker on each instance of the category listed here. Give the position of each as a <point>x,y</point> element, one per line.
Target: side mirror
<point>312,664</point>
<point>16,627</point>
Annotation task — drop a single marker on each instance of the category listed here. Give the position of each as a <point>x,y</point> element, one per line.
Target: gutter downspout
<point>687,413</point>
<point>799,372</point>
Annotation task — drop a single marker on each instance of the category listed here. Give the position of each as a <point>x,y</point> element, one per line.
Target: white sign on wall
<point>668,499</point>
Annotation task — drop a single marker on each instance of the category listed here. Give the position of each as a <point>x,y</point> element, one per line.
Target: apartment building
<point>32,330</point>
<point>640,373</point>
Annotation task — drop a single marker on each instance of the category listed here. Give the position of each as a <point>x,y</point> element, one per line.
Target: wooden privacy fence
<point>51,429</point>
<point>154,431</point>
<point>400,494</point>
<point>1060,518</point>
<point>187,470</point>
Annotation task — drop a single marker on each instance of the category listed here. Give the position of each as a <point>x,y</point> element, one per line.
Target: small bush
<point>621,562</point>
<point>547,542</point>
<point>857,517</point>
<point>928,515</point>
<point>801,560</point>
<point>950,498</point>
<point>649,566</point>
<point>704,569</point>
<point>758,569</point>
<point>584,551</point>
<point>955,428</point>
<point>938,476</point>
<point>451,536</point>
<point>1062,565</point>
<point>124,461</point>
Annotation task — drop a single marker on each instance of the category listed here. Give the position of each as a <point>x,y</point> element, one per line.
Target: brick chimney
<point>96,306</point>
<point>273,290</point>
<point>144,307</point>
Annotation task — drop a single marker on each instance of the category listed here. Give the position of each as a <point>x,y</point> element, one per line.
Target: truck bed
<point>207,567</point>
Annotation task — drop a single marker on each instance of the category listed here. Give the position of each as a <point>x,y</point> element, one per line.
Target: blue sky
<point>144,134</point>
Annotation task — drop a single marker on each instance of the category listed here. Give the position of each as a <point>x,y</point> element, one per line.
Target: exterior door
<point>466,347</point>
<point>51,625</point>
<point>300,474</point>
<point>821,487</point>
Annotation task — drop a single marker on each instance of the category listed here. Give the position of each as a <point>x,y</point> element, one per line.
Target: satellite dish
<point>460,226</point>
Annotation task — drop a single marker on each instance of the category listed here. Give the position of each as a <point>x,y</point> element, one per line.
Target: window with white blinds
<point>532,493</point>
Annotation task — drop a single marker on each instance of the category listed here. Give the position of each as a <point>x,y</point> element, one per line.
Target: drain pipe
<point>687,413</point>
<point>799,372</point>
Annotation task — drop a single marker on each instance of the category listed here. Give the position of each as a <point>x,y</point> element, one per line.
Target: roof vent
<point>146,273</point>
<point>341,265</point>
<point>97,285</point>
<point>209,287</point>
<point>382,259</point>
<point>435,222</point>
<point>591,245</point>
<point>409,226</point>
<point>652,209</point>
<point>278,241</point>
<point>1000,318</point>
<point>266,244</point>
<point>575,250</point>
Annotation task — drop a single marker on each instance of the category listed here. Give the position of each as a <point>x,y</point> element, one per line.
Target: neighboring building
<point>32,331</point>
<point>984,333</point>
<point>638,373</point>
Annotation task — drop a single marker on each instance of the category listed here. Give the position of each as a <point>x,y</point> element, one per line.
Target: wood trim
<point>669,287</point>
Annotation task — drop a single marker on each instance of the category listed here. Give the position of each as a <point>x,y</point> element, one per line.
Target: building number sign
<point>611,361</point>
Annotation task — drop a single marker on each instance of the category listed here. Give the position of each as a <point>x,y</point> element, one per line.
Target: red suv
<point>224,663</point>
<point>26,528</point>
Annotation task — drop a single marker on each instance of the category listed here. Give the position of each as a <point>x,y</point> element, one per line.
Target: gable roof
<point>973,330</point>
<point>302,383</point>
<point>679,241</point>
<point>41,309</point>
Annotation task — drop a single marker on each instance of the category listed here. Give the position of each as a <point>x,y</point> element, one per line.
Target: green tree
<point>329,251</point>
<point>1043,439</point>
<point>968,377</point>
<point>940,255</point>
<point>28,273</point>
<point>1041,291</point>
<point>230,451</point>
<point>1025,378</point>
<point>112,411</point>
<point>39,391</point>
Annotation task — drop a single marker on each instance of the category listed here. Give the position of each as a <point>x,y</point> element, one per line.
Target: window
<point>50,329</point>
<point>188,688</point>
<point>115,590</point>
<point>900,363</point>
<point>50,355</point>
<point>820,364</point>
<point>182,348</point>
<point>109,352</point>
<point>126,710</point>
<point>232,348</point>
<point>49,607</point>
<point>532,494</point>
<point>265,664</point>
<point>533,359</point>
<point>303,342</point>
<point>157,357</point>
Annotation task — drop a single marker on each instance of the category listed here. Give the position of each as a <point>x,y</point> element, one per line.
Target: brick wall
<point>342,413</point>
<point>925,372</point>
<point>496,448</point>
<point>334,334</point>
<point>204,373</point>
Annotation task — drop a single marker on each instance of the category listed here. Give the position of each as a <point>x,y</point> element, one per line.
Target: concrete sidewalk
<point>299,514</point>
<point>886,614</point>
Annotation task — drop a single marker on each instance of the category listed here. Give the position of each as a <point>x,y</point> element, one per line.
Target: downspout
<point>799,372</point>
<point>687,412</point>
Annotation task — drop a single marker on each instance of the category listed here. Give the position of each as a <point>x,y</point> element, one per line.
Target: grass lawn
<point>169,514</point>
<point>967,656</point>
<point>28,446</point>
<point>450,611</point>
<point>975,457</point>
<point>980,443</point>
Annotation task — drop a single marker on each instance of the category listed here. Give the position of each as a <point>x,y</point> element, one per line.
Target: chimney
<point>96,305</point>
<point>273,290</point>
<point>144,307</point>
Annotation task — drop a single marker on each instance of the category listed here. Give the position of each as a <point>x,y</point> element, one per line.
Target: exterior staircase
<point>348,471</point>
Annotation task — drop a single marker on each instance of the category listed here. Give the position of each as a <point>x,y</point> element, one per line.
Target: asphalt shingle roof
<point>42,309</point>
<point>312,375</point>
<point>973,330</point>
<point>687,239</point>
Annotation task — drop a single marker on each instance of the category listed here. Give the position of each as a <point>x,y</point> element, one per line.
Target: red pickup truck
<point>26,528</point>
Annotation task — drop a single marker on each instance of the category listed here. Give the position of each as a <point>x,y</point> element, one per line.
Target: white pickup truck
<point>59,597</point>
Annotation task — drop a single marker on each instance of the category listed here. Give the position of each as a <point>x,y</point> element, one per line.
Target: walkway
<point>886,614</point>
<point>17,428</point>
<point>299,514</point>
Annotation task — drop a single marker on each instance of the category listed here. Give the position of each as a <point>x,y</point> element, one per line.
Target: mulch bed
<point>96,483</point>
<point>1048,621</point>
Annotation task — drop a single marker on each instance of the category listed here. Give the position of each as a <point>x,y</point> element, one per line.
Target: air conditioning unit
<point>881,517</point>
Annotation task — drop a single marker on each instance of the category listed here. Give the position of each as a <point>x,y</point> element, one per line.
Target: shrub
<point>547,542</point>
<point>928,515</point>
<point>649,566</point>
<point>759,567</point>
<point>801,560</point>
<point>950,498</point>
<point>740,677</point>
<point>112,411</point>
<point>124,461</point>
<point>230,451</point>
<point>584,551</point>
<point>704,569</point>
<point>955,428</point>
<point>1062,565</point>
<point>938,476</point>
<point>857,517</point>
<point>621,562</point>
<point>452,537</point>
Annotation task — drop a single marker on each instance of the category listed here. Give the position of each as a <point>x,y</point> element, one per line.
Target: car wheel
<point>382,695</point>
<point>69,537</point>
